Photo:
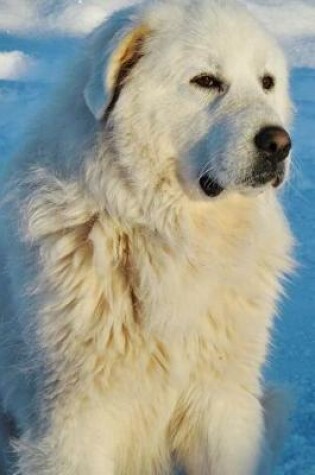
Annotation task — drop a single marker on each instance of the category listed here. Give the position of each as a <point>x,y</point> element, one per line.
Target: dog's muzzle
<point>273,145</point>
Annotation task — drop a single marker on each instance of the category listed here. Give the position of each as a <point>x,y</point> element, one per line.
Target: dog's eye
<point>208,81</point>
<point>268,82</point>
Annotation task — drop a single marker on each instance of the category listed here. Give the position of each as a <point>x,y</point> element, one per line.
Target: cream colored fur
<point>148,307</point>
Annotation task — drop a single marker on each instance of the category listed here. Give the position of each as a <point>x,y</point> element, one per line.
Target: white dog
<point>143,250</point>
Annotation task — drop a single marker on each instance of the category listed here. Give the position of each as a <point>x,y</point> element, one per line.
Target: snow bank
<point>293,21</point>
<point>72,17</point>
<point>284,17</point>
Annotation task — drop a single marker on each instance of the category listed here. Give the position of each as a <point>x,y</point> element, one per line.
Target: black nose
<point>274,142</point>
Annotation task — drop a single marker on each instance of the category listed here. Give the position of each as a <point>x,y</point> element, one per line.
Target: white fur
<point>136,312</point>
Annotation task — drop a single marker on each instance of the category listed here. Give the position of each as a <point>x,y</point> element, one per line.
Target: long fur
<point>135,318</point>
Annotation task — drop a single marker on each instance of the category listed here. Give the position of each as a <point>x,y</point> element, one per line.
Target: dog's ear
<point>110,72</point>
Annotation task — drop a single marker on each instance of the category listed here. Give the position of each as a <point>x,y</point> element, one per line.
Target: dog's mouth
<point>278,181</point>
<point>275,179</point>
<point>212,188</point>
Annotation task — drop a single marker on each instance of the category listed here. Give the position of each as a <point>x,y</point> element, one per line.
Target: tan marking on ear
<point>129,52</point>
<point>124,59</point>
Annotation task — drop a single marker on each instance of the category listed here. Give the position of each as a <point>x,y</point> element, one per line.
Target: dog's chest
<point>180,291</point>
<point>212,304</point>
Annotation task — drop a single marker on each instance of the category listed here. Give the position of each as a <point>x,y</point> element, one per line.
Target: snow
<point>15,65</point>
<point>54,16</point>
<point>293,22</point>
<point>293,357</point>
<point>286,17</point>
<point>33,44</point>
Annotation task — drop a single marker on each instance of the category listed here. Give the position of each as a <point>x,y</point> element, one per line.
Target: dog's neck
<point>122,188</point>
<point>156,249</point>
<point>159,205</point>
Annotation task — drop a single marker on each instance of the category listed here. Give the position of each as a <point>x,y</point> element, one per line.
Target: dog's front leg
<point>235,433</point>
<point>82,440</point>
<point>228,436</point>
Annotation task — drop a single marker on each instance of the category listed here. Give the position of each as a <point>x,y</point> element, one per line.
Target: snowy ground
<point>36,36</point>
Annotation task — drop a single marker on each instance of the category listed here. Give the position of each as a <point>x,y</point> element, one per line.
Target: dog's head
<point>198,83</point>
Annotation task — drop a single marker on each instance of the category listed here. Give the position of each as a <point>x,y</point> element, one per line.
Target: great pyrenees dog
<point>142,252</point>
